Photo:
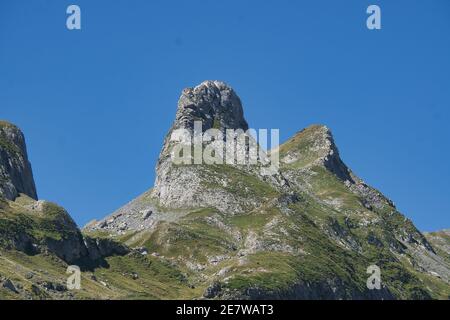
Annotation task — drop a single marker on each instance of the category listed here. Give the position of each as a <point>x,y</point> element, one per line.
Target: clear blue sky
<point>96,104</point>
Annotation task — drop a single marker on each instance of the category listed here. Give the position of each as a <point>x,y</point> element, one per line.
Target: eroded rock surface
<point>16,175</point>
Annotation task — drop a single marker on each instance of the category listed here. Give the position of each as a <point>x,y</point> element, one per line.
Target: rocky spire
<point>216,105</point>
<point>16,175</point>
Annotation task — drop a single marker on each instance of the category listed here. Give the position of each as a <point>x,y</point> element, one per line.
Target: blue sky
<point>95,104</point>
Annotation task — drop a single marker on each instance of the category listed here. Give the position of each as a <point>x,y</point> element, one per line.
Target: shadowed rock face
<point>16,175</point>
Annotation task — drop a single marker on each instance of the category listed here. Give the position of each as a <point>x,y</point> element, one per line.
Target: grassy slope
<point>18,219</point>
<point>356,222</point>
<point>441,243</point>
<point>155,278</point>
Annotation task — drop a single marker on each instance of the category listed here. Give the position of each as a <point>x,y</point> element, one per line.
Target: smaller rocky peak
<point>16,175</point>
<point>314,146</point>
<point>329,155</point>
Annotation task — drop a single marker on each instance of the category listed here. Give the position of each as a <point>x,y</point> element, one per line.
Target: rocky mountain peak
<point>16,175</point>
<point>315,146</point>
<point>216,105</point>
<point>212,102</point>
<point>328,154</point>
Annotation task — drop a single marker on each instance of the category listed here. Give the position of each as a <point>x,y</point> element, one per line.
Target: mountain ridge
<point>303,157</point>
<point>227,231</point>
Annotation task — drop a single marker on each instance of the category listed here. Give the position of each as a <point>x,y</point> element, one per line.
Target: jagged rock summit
<point>215,105</point>
<point>36,228</point>
<point>16,175</point>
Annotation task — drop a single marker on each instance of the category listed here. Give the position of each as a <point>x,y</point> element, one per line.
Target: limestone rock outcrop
<point>16,175</point>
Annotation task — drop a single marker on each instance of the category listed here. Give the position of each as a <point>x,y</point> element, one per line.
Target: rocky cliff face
<point>214,103</point>
<point>16,175</point>
<point>32,226</point>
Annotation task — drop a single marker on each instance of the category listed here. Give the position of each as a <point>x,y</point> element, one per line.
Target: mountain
<point>309,230</point>
<point>38,239</point>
